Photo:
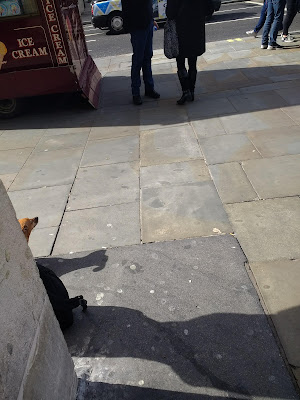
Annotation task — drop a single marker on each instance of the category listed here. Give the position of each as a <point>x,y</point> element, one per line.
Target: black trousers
<point>291,6</point>
<point>192,61</point>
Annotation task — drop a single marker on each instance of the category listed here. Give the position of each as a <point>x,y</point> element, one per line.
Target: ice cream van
<point>108,13</point>
<point>43,51</point>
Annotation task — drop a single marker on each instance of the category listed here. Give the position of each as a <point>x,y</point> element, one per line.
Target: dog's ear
<point>35,221</point>
<point>27,225</point>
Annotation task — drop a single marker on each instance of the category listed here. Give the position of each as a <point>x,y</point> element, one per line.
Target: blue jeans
<point>263,16</point>
<point>273,21</point>
<point>142,45</point>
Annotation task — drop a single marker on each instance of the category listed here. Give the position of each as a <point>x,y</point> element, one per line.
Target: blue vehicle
<point>107,14</point>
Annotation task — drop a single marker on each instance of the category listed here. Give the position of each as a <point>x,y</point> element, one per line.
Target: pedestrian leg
<point>288,19</point>
<point>262,19</point>
<point>147,59</point>
<point>138,41</point>
<point>184,81</point>
<point>268,24</point>
<point>278,6</point>
<point>192,75</point>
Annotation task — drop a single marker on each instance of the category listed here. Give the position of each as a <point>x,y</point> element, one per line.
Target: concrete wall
<point>34,360</point>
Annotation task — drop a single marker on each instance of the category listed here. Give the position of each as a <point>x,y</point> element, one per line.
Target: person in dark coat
<point>138,21</point>
<point>190,23</point>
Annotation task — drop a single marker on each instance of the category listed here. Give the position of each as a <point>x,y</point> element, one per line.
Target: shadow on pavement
<point>65,264</point>
<point>229,84</point>
<point>100,390</point>
<point>235,353</point>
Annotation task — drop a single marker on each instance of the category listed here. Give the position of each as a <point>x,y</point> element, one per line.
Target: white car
<point>108,13</point>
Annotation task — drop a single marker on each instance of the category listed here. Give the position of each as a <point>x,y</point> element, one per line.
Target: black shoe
<point>137,100</point>
<point>152,94</point>
<point>186,96</point>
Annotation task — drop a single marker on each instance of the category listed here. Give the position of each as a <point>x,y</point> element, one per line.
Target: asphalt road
<point>231,22</point>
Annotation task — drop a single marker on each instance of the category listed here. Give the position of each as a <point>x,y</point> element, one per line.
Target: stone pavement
<point>229,163</point>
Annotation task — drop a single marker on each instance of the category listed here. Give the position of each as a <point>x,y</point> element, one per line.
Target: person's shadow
<point>235,353</point>
<point>69,263</point>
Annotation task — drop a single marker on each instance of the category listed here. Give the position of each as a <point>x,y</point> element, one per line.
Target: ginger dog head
<point>27,225</point>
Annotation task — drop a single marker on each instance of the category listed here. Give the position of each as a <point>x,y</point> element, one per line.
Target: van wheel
<point>115,23</point>
<point>10,108</point>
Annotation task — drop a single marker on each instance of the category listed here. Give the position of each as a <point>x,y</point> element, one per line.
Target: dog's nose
<point>36,220</point>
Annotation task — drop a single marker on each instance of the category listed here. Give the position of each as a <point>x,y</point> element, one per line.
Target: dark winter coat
<point>137,14</point>
<point>190,23</point>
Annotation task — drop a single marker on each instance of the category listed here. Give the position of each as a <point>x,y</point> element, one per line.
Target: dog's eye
<point>25,228</point>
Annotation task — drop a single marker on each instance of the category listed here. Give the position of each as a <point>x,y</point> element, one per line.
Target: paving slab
<point>11,161</point>
<point>169,145</point>
<point>165,115</point>
<point>111,151</point>
<point>65,141</point>
<point>174,174</point>
<point>21,138</point>
<point>291,95</point>
<point>199,110</point>
<point>258,87</point>
<point>259,74</point>
<point>112,84</point>
<point>293,112</point>
<point>232,183</point>
<point>279,284</point>
<point>240,54</point>
<point>290,67</point>
<point>53,168</point>
<point>47,203</point>
<point>95,228</point>
<point>169,90</point>
<point>228,148</point>
<point>173,320</point>
<point>277,141</point>
<point>67,130</point>
<point>216,56</point>
<point>257,101</point>
<point>115,125</point>
<point>164,73</point>
<point>256,121</point>
<point>118,98</point>
<point>269,60</point>
<point>274,177</point>
<point>287,77</point>
<point>228,78</point>
<point>182,211</point>
<point>267,229</point>
<point>208,127</point>
<point>7,180</point>
<point>41,241</point>
<point>105,185</point>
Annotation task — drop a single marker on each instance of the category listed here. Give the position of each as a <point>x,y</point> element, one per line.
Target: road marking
<point>237,9</point>
<point>231,20</point>
<point>237,39</point>
<point>254,2</point>
<point>94,34</point>
<point>93,40</point>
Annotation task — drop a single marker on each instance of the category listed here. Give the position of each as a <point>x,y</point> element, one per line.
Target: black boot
<point>185,85</point>
<point>192,79</point>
